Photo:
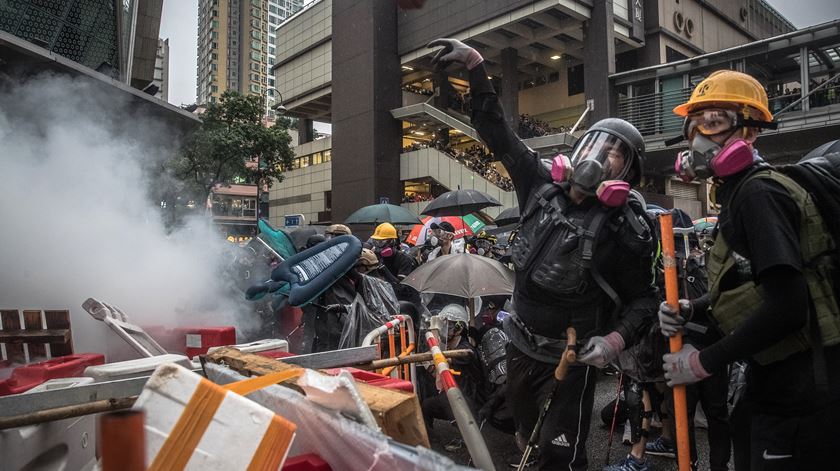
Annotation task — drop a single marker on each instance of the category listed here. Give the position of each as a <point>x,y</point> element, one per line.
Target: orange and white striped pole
<point>469,428</point>
<point>676,342</point>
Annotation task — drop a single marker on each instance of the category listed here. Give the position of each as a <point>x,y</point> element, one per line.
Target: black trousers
<point>768,442</point>
<point>562,440</point>
<point>711,393</point>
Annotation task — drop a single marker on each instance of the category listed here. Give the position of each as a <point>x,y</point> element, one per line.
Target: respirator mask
<point>600,165</point>
<point>706,158</point>
<point>383,248</point>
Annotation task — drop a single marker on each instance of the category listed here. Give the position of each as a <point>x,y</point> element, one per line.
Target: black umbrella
<point>827,148</point>
<point>508,217</point>
<point>460,203</point>
<point>379,213</point>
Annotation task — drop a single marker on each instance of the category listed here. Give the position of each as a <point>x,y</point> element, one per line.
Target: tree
<point>232,145</point>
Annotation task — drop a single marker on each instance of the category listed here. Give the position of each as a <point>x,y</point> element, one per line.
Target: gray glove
<point>672,323</point>
<point>600,351</point>
<point>684,367</point>
<point>455,51</point>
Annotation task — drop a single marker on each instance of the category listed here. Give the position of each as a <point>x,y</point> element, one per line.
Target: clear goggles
<point>608,150</point>
<point>713,121</point>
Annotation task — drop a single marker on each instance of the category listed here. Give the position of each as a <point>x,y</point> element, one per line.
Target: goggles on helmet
<point>713,121</point>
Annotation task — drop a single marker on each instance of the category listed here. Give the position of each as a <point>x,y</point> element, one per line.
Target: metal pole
<point>460,409</point>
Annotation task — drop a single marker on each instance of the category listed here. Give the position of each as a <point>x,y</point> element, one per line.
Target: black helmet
<point>630,136</point>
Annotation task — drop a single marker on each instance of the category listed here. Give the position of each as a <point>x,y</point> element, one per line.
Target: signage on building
<point>384,200</point>
<point>294,220</point>
<point>637,13</point>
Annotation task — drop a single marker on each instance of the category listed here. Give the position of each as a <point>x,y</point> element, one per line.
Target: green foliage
<point>233,145</point>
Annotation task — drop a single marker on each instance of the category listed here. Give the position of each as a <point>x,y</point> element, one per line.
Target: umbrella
<point>703,224</point>
<point>464,275</point>
<point>379,213</point>
<point>508,217</point>
<point>464,226</point>
<point>827,148</point>
<point>460,203</point>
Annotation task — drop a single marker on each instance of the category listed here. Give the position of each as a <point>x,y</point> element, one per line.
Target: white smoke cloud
<point>77,221</point>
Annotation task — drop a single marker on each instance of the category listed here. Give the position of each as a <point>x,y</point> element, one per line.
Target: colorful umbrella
<point>464,226</point>
<point>703,224</point>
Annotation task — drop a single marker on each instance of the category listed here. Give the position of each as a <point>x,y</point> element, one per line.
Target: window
<point>214,35</point>
<point>256,56</point>
<point>256,45</point>
<point>255,24</point>
<point>215,23</point>
<point>273,20</point>
<point>575,79</point>
<point>255,12</point>
<point>254,66</point>
<point>317,158</point>
<point>255,88</point>
<point>327,155</point>
<point>214,89</point>
<point>214,56</point>
<point>271,50</point>
<point>256,34</point>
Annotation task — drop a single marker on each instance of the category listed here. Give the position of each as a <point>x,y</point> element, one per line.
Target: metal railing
<point>652,114</point>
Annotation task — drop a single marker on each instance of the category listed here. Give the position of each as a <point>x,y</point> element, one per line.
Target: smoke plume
<point>78,220</point>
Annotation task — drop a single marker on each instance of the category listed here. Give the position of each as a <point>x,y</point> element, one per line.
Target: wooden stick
<point>676,342</point>
<point>415,358</point>
<point>48,415</point>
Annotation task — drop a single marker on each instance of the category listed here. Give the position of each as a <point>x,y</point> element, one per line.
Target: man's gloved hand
<point>684,367</point>
<point>672,323</point>
<point>455,51</point>
<point>600,351</point>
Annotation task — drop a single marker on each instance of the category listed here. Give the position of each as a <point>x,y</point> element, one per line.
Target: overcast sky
<point>180,25</point>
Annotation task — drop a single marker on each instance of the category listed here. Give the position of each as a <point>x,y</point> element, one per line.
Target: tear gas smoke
<point>78,220</point>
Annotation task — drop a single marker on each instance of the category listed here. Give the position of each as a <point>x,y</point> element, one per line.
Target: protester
<point>336,230</point>
<point>386,245</point>
<point>448,244</point>
<point>469,375</point>
<point>554,289</point>
<point>762,273</point>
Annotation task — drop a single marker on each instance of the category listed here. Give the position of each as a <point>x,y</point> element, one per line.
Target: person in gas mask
<point>386,245</point>
<point>772,284</point>
<point>443,241</point>
<point>335,230</point>
<point>583,258</point>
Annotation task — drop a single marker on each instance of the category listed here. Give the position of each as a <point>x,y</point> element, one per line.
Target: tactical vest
<point>732,307</point>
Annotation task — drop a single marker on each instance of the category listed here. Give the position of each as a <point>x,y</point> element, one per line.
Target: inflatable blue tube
<point>311,272</point>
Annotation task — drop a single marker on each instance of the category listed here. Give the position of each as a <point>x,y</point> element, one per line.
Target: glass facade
<point>84,31</point>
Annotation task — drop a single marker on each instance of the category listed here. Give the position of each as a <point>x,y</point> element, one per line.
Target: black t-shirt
<point>400,264</point>
<point>762,224</point>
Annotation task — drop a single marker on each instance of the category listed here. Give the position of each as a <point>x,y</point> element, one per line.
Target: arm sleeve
<point>489,121</point>
<point>785,310</point>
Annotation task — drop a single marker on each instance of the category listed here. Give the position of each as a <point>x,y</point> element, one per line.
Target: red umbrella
<point>464,226</point>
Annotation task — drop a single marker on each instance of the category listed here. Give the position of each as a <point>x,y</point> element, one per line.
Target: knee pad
<point>636,412</point>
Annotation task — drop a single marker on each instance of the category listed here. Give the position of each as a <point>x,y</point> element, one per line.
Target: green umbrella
<point>379,213</point>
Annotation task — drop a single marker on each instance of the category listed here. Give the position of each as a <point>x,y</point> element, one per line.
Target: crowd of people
<point>475,158</point>
<point>757,312</point>
<point>530,126</point>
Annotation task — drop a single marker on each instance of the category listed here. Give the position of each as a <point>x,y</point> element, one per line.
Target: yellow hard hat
<point>384,231</point>
<point>727,86</point>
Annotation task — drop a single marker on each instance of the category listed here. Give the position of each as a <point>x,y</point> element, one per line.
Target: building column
<point>804,77</point>
<point>599,51</point>
<point>306,132</point>
<point>365,88</point>
<point>509,96</point>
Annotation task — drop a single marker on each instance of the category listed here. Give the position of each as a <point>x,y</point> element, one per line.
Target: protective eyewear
<point>713,121</point>
<point>611,153</point>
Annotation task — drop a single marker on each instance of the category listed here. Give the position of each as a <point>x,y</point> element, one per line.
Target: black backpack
<point>820,177</point>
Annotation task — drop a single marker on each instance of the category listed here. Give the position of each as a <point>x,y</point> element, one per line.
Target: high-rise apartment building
<point>161,77</point>
<point>236,45</point>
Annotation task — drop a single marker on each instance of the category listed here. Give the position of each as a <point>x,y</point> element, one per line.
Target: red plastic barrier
<point>307,462</point>
<point>197,340</point>
<point>26,377</point>
<point>376,379</point>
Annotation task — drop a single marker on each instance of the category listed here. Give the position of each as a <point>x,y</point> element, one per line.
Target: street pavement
<point>504,451</point>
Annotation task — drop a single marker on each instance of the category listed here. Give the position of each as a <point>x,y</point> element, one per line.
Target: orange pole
<point>392,352</point>
<point>402,349</point>
<point>122,441</point>
<point>672,298</point>
<point>404,354</point>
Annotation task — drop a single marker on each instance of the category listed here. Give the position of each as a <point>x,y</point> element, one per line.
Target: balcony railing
<point>652,114</point>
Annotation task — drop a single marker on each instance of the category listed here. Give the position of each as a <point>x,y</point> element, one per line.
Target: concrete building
<point>117,38</point>
<point>401,129</point>
<point>161,77</point>
<point>236,45</point>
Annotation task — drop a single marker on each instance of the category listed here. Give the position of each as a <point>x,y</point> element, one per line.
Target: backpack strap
<point>540,198</point>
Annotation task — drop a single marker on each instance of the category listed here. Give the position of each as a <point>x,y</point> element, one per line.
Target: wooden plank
<point>59,320</point>
<point>30,337</point>
<point>10,320</point>
<point>32,321</point>
<point>397,413</point>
